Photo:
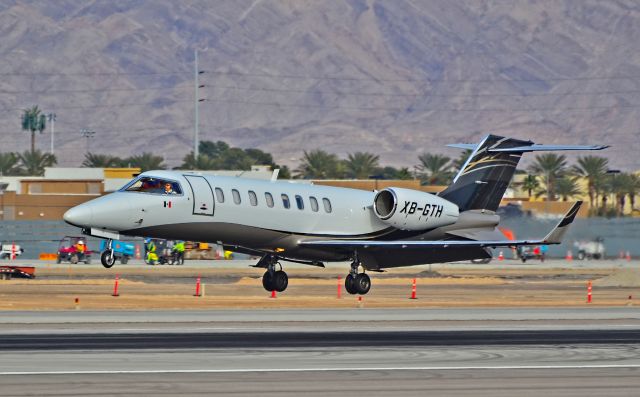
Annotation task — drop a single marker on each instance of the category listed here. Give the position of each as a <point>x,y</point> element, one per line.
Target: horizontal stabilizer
<point>546,148</point>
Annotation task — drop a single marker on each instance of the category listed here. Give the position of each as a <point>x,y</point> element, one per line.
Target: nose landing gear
<point>107,257</point>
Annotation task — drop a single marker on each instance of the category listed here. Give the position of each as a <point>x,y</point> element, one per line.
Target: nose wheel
<point>107,257</point>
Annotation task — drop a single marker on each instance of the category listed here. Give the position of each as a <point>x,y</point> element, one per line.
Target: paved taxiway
<point>498,352</point>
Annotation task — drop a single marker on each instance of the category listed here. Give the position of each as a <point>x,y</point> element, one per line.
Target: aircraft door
<point>202,195</point>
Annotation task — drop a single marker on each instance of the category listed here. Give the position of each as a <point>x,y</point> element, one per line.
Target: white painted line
<point>338,369</point>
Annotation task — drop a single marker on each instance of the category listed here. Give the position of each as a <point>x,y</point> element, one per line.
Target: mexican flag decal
<point>167,204</point>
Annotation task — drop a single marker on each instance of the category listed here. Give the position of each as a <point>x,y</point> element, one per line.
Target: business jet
<point>310,224</point>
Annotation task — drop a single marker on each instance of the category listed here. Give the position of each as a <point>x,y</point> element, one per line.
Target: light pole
<point>197,100</point>
<point>87,133</point>
<point>52,121</point>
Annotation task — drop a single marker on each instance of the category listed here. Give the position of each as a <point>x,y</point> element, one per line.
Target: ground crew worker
<point>178,248</point>
<point>151,253</point>
<point>80,249</point>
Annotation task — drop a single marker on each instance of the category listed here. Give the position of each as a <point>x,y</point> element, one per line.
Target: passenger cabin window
<point>236,196</point>
<point>269,199</point>
<point>285,201</point>
<point>153,185</point>
<point>220,195</point>
<point>327,205</point>
<point>299,202</point>
<point>314,204</point>
<point>253,199</point>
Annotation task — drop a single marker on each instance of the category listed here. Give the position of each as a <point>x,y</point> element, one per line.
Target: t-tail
<point>481,182</point>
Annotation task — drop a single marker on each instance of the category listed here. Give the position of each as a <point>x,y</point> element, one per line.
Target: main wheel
<point>350,284</point>
<point>107,258</point>
<point>74,259</point>
<point>267,281</point>
<point>280,281</point>
<point>362,283</point>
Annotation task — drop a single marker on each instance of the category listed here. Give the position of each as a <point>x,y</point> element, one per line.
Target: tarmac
<point>410,352</point>
<point>573,350</point>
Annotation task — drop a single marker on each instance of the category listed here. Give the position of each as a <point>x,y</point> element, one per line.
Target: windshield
<point>149,184</point>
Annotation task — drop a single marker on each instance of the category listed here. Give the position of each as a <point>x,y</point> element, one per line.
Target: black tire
<point>581,255</point>
<point>87,261</point>
<point>58,259</point>
<point>124,260</point>
<point>349,284</point>
<point>107,259</point>
<point>280,281</point>
<point>74,259</point>
<point>596,256</point>
<point>362,283</point>
<point>267,281</point>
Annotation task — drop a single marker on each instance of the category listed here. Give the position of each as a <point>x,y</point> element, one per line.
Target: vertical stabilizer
<point>483,179</point>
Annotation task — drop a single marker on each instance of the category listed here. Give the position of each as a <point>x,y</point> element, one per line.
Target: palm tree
<point>203,162</point>
<point>34,162</point>
<point>618,186</point>
<point>9,164</point>
<point>437,168</point>
<point>593,168</point>
<point>360,165</point>
<point>404,173</point>
<point>146,161</point>
<point>530,183</point>
<point>633,187</point>
<point>567,187</point>
<point>318,164</point>
<point>92,160</point>
<point>551,167</point>
<point>33,120</point>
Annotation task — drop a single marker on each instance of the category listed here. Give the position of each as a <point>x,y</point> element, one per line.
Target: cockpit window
<point>148,184</point>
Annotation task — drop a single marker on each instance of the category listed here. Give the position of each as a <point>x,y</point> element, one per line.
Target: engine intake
<point>409,209</point>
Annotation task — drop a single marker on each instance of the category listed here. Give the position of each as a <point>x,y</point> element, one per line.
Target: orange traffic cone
<point>501,256</point>
<point>569,256</point>
<point>273,293</point>
<point>628,256</point>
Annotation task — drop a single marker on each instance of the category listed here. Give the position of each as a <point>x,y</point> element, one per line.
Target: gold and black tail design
<point>482,181</point>
<point>485,176</point>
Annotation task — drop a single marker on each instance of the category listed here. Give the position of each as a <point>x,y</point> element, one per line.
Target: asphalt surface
<point>460,352</point>
<point>323,339</point>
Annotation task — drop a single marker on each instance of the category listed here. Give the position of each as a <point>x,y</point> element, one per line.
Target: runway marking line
<point>350,369</point>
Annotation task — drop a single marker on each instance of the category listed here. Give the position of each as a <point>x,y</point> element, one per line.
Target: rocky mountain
<point>395,78</point>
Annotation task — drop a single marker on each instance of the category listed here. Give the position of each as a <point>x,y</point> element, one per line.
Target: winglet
<point>555,236</point>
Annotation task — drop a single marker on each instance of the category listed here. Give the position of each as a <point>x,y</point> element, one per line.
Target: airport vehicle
<point>68,250</point>
<point>8,250</point>
<point>311,224</point>
<point>122,251</point>
<point>590,249</point>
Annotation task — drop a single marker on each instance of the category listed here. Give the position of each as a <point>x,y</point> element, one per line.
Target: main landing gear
<point>274,280</point>
<point>107,257</point>
<point>357,283</point>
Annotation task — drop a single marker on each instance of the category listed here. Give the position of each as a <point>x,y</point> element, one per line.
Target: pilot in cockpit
<point>168,188</point>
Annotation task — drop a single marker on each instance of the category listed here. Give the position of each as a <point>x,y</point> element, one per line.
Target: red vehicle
<point>74,249</point>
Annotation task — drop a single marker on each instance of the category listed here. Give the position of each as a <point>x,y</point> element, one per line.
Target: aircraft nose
<point>80,215</point>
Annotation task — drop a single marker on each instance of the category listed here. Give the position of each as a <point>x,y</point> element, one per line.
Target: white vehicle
<point>590,249</point>
<point>309,224</point>
<point>6,250</point>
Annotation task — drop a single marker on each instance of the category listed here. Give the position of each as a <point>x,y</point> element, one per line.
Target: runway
<point>563,352</point>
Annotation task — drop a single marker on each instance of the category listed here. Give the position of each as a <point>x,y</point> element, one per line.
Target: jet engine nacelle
<point>409,209</point>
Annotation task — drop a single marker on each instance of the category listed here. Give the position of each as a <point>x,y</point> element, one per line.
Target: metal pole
<point>196,100</point>
<point>52,121</point>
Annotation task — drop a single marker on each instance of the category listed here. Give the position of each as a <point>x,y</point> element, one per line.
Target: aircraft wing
<point>553,237</point>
